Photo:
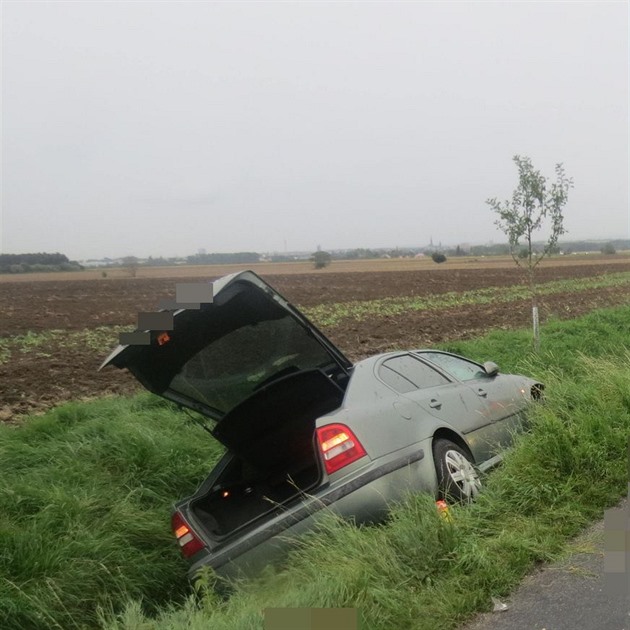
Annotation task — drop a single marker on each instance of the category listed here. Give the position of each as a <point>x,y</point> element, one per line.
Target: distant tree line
<point>361,252</point>
<point>494,249</point>
<point>28,263</point>
<point>160,261</point>
<point>568,247</point>
<point>609,247</point>
<point>223,259</point>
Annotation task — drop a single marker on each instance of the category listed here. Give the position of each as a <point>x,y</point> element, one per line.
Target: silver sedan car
<point>305,429</point>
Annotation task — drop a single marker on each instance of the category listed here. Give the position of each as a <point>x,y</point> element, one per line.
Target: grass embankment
<point>85,493</point>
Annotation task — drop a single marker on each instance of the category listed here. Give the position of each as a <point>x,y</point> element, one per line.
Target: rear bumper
<point>363,497</point>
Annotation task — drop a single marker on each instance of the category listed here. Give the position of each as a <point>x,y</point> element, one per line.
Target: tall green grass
<point>601,333</point>
<point>85,494</point>
<point>420,572</point>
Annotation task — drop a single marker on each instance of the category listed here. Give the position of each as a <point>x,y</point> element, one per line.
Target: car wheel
<point>457,477</point>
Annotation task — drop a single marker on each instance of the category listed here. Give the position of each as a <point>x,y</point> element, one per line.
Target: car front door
<point>436,394</point>
<point>498,395</point>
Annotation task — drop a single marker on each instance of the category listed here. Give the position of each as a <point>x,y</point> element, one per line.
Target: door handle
<point>435,404</point>
<point>482,392</point>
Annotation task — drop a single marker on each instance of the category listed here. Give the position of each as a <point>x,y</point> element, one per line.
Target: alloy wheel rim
<point>463,474</point>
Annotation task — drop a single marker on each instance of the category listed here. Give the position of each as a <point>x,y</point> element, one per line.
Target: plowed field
<point>55,333</point>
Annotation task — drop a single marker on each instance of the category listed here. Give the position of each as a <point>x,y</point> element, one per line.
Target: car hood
<point>216,356</point>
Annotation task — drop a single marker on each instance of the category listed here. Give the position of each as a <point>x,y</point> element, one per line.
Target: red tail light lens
<point>188,542</point>
<point>339,446</point>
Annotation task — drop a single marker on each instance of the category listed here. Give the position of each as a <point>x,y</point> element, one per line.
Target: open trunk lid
<point>273,456</point>
<point>218,355</point>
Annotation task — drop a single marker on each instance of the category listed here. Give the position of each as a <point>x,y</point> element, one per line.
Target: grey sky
<point>158,128</point>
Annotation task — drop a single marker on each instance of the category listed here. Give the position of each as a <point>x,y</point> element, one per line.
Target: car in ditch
<point>306,430</point>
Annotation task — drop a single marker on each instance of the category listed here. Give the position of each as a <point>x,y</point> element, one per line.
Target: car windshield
<point>231,368</point>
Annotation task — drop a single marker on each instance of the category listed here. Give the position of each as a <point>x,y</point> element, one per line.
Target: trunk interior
<point>271,436</point>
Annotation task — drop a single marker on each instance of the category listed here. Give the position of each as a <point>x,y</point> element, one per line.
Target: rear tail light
<point>339,446</point>
<point>187,540</point>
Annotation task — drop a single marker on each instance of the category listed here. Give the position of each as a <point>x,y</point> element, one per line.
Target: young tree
<point>535,205</point>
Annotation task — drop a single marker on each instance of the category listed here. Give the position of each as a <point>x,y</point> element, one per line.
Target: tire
<point>458,479</point>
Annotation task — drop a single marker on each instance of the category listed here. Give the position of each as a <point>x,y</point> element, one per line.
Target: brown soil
<point>32,382</point>
<point>77,304</point>
<point>425,328</point>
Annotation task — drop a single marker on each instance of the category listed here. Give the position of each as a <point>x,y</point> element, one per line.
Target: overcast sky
<point>160,128</point>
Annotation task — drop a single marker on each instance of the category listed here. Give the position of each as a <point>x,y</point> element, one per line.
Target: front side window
<point>406,373</point>
<point>461,369</point>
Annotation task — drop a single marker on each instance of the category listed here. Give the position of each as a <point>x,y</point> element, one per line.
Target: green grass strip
<point>333,314</point>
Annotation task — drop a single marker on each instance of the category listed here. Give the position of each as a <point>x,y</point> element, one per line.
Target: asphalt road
<point>585,591</point>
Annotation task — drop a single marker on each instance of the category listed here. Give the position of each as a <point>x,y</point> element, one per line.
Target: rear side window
<point>395,381</point>
<point>406,373</point>
<point>461,369</point>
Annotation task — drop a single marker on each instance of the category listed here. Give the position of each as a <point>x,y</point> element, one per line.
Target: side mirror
<point>491,368</point>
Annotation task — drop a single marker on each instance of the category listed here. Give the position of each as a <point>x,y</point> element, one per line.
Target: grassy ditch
<point>85,494</point>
